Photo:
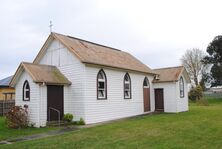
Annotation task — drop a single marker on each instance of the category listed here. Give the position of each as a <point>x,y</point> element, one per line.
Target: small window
<point>146,83</point>
<point>127,86</point>
<point>181,83</point>
<point>101,85</point>
<point>26,91</point>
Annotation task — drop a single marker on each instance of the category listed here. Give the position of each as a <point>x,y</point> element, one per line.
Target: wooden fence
<point>5,106</point>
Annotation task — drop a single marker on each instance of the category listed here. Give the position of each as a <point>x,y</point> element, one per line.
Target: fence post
<point>3,107</point>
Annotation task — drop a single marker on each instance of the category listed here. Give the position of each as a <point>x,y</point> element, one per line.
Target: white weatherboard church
<point>95,82</point>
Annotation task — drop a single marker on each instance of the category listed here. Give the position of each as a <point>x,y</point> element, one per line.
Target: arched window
<point>26,91</point>
<point>181,84</point>
<point>146,83</point>
<point>127,86</point>
<point>101,85</point>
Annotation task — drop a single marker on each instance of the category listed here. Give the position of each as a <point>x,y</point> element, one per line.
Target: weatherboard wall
<point>33,104</point>
<point>172,100</point>
<point>115,106</point>
<point>182,102</point>
<point>58,55</point>
<point>169,95</point>
<point>42,105</point>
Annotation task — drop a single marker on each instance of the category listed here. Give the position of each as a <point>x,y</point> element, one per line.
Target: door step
<point>56,123</point>
<point>158,112</point>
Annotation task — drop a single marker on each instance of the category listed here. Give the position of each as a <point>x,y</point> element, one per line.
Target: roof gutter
<point>51,83</point>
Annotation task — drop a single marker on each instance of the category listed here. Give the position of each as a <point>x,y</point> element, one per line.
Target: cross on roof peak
<point>50,26</point>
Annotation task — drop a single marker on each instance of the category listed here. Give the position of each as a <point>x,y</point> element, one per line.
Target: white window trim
<point>181,87</point>
<point>103,80</point>
<point>129,96</point>
<point>25,90</point>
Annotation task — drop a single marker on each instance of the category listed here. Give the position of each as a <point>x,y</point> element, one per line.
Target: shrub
<point>199,92</point>
<point>68,117</point>
<point>32,125</point>
<point>17,117</point>
<point>196,93</point>
<point>191,94</point>
<point>81,122</point>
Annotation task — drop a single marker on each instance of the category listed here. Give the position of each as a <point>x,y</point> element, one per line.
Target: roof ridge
<point>168,67</point>
<point>109,47</point>
<point>95,43</point>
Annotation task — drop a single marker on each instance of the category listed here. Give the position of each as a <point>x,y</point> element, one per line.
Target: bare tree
<point>192,61</point>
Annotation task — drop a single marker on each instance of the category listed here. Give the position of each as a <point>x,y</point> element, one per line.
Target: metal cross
<point>50,26</point>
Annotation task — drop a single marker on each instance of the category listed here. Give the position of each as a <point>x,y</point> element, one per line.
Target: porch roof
<point>170,74</point>
<point>41,74</point>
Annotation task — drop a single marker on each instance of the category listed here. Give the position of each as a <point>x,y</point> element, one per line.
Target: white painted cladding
<point>42,105</point>
<point>74,70</point>
<point>115,106</point>
<point>172,100</point>
<point>182,102</point>
<point>33,104</point>
<point>169,95</point>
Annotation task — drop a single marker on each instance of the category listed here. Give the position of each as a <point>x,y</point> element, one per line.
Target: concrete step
<point>56,123</point>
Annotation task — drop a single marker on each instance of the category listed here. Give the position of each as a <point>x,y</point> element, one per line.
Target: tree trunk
<point>196,80</point>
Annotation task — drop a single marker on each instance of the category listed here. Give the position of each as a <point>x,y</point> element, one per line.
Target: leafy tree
<point>192,61</point>
<point>214,57</point>
<point>205,77</point>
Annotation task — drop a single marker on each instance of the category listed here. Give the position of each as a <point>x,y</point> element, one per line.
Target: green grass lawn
<point>200,128</point>
<point>6,133</point>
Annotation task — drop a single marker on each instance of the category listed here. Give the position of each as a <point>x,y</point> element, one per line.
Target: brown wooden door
<point>159,104</point>
<point>55,101</point>
<point>146,94</point>
<point>146,99</point>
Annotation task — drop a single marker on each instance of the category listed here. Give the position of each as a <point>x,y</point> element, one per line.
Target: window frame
<point>24,90</point>
<point>105,85</point>
<point>181,87</point>
<point>130,86</point>
<point>148,83</point>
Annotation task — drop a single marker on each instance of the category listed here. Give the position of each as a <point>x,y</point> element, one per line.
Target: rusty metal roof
<point>168,74</point>
<point>42,74</point>
<point>93,53</point>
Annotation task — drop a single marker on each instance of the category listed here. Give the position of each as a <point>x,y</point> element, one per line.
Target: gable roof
<point>5,82</point>
<point>170,74</point>
<point>93,53</point>
<point>41,74</point>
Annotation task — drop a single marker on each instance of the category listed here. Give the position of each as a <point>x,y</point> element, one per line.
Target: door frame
<point>160,89</point>
<point>147,89</point>
<point>47,93</point>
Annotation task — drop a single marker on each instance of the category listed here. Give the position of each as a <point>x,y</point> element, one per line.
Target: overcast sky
<point>157,32</point>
